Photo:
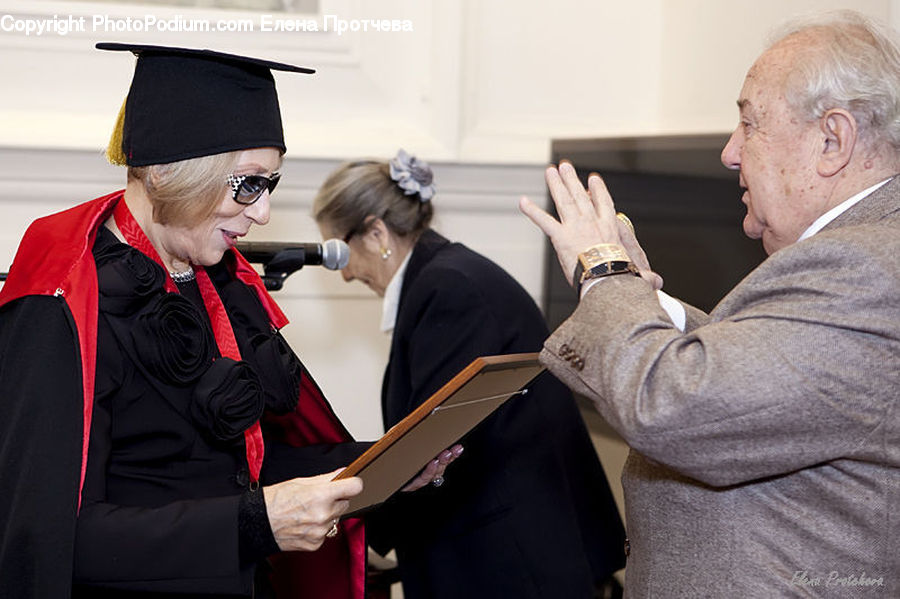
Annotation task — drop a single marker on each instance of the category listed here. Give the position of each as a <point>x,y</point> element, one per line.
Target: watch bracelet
<point>612,267</point>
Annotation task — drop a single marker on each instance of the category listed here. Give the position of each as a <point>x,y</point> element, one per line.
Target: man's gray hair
<point>855,65</point>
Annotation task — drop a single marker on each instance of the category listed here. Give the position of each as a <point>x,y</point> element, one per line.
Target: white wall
<point>476,80</point>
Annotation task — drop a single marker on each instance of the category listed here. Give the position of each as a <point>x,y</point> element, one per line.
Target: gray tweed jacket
<point>765,439</point>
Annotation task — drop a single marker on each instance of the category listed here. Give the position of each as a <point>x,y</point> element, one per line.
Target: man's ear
<point>840,130</point>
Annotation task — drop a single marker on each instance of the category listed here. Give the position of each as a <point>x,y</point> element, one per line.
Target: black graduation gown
<point>40,447</point>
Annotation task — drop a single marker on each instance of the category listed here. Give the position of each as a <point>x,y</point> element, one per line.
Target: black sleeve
<point>40,447</point>
<point>185,546</point>
<point>256,538</point>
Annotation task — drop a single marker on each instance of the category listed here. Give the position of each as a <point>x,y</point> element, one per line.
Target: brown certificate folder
<point>455,409</point>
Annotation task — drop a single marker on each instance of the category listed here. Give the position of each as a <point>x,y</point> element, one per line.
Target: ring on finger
<point>621,216</point>
<point>332,532</point>
<point>438,481</point>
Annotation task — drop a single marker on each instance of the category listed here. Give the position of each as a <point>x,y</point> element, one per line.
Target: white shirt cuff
<point>673,308</point>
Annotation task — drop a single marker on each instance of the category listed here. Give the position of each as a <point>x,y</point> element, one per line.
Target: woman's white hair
<point>853,63</point>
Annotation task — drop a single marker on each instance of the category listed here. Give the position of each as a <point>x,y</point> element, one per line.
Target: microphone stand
<point>277,264</point>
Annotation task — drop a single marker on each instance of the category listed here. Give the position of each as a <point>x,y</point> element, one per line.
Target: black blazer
<point>526,511</point>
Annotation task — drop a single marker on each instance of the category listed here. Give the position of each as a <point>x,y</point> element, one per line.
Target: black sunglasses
<point>246,189</point>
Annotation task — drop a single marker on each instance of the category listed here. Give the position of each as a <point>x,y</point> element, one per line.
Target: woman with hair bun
<point>526,511</point>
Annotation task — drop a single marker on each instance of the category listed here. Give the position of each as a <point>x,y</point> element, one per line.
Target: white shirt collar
<point>392,297</point>
<point>832,214</point>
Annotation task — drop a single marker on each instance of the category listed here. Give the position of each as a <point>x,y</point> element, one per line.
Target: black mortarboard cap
<point>185,103</point>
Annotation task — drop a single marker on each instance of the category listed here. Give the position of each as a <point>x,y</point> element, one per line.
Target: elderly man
<point>765,436</point>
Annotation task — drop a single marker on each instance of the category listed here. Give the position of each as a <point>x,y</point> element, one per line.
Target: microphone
<point>332,254</point>
<point>280,259</point>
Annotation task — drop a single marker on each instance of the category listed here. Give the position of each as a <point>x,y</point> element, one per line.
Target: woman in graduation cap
<point>154,421</point>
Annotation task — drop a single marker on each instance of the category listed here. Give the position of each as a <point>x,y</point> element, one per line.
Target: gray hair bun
<point>412,175</point>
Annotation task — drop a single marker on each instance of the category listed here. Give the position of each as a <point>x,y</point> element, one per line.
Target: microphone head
<point>335,254</point>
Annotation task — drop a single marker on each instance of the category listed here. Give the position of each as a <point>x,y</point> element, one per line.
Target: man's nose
<point>731,153</point>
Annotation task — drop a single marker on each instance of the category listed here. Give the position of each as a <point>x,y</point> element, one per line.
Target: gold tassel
<point>114,153</point>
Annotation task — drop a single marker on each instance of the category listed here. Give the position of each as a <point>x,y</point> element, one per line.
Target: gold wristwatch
<point>602,260</point>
